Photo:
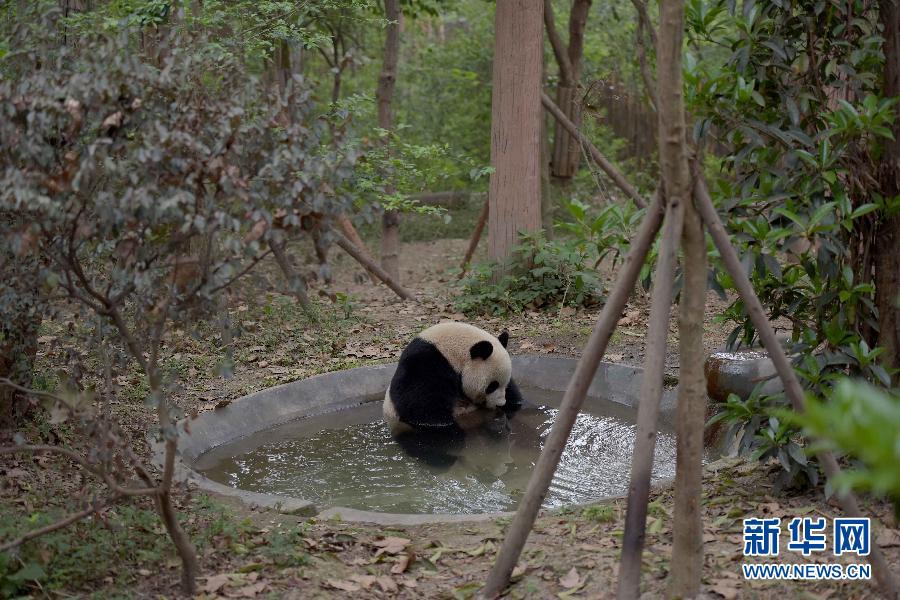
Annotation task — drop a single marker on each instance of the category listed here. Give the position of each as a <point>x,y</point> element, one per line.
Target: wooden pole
<point>676,182</point>
<point>476,237</point>
<point>571,403</point>
<point>598,157</point>
<point>648,404</point>
<point>373,267</point>
<point>792,388</point>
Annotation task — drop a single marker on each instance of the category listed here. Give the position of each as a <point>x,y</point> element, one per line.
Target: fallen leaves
<point>390,545</point>
<point>570,579</point>
<point>234,585</point>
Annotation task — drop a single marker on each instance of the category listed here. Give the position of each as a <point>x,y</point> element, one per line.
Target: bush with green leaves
<point>852,421</point>
<point>791,94</point>
<point>561,272</point>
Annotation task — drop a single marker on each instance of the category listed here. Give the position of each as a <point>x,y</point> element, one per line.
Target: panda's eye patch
<point>492,387</point>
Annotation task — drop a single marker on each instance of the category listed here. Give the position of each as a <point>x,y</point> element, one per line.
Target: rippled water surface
<point>349,458</point>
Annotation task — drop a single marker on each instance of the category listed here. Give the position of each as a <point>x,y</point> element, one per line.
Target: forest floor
<point>257,553</point>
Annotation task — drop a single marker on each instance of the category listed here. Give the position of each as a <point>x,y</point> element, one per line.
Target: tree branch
<point>566,72</point>
<point>598,157</point>
<point>73,518</point>
<point>373,267</point>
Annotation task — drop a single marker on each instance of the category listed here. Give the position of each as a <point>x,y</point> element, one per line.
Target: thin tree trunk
<point>390,224</point>
<point>296,285</point>
<point>571,404</point>
<point>598,157</point>
<point>515,189</point>
<point>190,567</point>
<point>566,150</point>
<point>676,181</point>
<point>476,237</point>
<point>687,549</point>
<point>890,587</point>
<point>887,256</point>
<point>350,232</point>
<point>351,249</point>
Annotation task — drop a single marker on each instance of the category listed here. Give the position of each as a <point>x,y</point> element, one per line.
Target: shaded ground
<point>247,553</point>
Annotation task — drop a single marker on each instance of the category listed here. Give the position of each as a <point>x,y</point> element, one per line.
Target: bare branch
<point>559,50</point>
<point>649,84</point>
<point>644,16</point>
<point>73,518</point>
<point>373,267</point>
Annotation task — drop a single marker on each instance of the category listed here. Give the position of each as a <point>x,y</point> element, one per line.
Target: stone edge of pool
<point>338,390</point>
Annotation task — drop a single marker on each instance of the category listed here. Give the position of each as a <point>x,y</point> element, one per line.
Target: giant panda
<point>452,378</point>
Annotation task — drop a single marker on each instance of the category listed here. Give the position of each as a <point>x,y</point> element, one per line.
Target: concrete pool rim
<point>339,390</point>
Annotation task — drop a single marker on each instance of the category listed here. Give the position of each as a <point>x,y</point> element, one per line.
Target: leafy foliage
<point>792,92</point>
<point>852,421</point>
<point>559,272</point>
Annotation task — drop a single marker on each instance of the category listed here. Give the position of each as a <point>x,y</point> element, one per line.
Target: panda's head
<point>480,359</point>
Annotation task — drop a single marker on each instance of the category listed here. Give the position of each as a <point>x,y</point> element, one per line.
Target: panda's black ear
<point>482,350</point>
<point>504,338</point>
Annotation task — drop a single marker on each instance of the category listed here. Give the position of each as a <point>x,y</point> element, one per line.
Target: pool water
<point>349,458</point>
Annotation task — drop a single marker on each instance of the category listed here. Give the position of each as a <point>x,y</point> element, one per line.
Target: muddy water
<point>349,458</point>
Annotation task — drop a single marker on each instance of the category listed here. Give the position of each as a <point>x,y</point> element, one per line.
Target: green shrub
<point>554,273</point>
<point>863,422</point>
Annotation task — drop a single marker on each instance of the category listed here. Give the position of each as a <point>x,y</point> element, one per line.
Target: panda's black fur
<point>427,392</point>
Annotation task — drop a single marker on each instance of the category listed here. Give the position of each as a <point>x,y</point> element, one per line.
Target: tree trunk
<point>515,189</point>
<point>676,181</point>
<point>22,315</point>
<point>887,256</point>
<point>390,231</point>
<point>566,150</point>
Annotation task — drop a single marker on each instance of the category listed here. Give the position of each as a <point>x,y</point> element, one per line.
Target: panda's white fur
<point>455,341</point>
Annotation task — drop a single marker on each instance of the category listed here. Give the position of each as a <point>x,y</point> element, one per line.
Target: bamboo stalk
<point>351,249</point>
<point>571,403</point>
<point>794,391</point>
<point>598,157</point>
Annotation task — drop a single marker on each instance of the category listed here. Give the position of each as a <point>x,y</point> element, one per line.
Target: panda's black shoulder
<point>422,359</point>
<point>425,387</point>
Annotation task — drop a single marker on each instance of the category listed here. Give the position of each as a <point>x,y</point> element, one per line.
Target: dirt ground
<point>262,554</point>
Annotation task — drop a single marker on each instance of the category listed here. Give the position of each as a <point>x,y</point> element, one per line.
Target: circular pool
<point>318,447</point>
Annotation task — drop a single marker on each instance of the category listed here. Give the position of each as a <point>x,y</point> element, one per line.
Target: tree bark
<point>515,188</point>
<point>390,224</point>
<point>296,285</point>
<point>887,257</point>
<point>687,549</point>
<point>566,151</point>
<point>676,181</point>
